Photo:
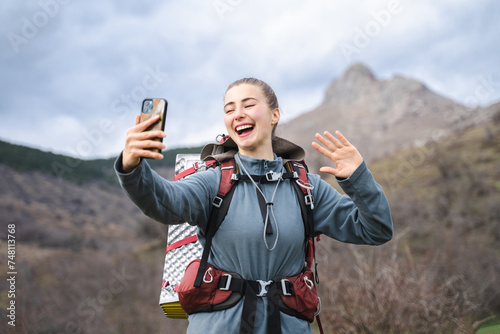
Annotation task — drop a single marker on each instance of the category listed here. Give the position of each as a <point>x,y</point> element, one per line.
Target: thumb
<point>329,170</point>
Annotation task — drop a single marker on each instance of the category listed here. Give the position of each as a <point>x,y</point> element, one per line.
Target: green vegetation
<point>489,329</point>
<point>26,159</point>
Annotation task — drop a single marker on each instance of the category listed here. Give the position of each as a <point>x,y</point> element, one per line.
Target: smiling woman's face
<point>249,120</point>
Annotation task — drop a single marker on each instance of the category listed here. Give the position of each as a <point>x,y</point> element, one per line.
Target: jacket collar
<point>227,149</point>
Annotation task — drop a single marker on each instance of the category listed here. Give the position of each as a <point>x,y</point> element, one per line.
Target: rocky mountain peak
<point>358,84</point>
<point>346,88</point>
<point>358,72</point>
<point>378,116</point>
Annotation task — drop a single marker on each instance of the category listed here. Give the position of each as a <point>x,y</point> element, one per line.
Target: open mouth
<point>243,130</point>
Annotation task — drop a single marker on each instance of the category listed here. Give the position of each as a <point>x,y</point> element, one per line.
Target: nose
<point>239,112</point>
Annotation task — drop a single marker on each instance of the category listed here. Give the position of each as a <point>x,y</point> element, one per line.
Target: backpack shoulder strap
<point>229,176</point>
<point>306,202</point>
<point>304,195</point>
<point>220,206</point>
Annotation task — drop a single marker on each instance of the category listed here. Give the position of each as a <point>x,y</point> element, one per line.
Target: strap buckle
<point>263,286</point>
<point>200,166</point>
<point>309,200</point>
<point>272,176</point>
<point>228,282</point>
<point>284,287</point>
<point>217,201</point>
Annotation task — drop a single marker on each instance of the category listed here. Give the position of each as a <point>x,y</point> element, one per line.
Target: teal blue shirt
<point>361,217</point>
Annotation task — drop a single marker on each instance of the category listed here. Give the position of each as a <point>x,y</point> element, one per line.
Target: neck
<point>263,152</point>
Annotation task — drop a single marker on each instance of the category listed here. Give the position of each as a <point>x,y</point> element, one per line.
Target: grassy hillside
<point>455,181</point>
<point>26,159</point>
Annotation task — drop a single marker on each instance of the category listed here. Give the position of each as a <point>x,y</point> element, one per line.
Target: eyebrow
<point>244,100</point>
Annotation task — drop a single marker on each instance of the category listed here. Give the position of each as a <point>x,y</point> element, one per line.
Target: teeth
<point>243,127</point>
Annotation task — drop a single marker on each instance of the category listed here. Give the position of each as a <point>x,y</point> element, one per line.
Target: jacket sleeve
<point>361,217</point>
<point>170,202</point>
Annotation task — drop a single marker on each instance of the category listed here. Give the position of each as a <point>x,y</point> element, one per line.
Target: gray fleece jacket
<point>362,217</point>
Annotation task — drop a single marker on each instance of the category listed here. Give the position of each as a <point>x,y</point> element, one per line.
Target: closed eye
<point>250,106</point>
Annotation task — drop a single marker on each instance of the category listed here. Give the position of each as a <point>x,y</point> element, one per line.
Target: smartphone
<point>151,108</point>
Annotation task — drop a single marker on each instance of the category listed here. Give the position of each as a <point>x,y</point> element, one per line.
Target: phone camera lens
<point>148,107</point>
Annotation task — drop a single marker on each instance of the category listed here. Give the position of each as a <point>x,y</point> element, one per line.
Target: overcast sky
<point>73,74</point>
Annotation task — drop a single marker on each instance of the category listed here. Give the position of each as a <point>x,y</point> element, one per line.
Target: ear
<point>276,117</point>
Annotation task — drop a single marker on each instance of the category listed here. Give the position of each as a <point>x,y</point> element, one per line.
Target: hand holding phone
<point>144,139</point>
<point>152,108</point>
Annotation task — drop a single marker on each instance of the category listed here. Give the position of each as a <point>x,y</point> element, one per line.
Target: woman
<point>243,243</point>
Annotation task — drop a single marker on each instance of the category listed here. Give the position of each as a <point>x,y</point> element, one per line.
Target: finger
<point>327,153</point>
<point>150,144</point>
<point>334,140</point>
<point>149,154</point>
<point>147,149</point>
<point>154,155</point>
<point>147,123</point>
<point>150,135</point>
<point>326,142</point>
<point>137,119</point>
<point>342,138</point>
<point>141,126</point>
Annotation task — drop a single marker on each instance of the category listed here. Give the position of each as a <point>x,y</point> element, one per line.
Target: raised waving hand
<point>341,152</point>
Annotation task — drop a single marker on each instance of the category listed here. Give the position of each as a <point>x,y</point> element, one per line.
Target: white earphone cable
<point>268,204</point>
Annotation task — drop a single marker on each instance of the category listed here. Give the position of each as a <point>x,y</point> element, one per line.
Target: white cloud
<point>90,55</point>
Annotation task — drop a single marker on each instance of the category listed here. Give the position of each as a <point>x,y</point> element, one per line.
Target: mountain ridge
<point>379,116</point>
